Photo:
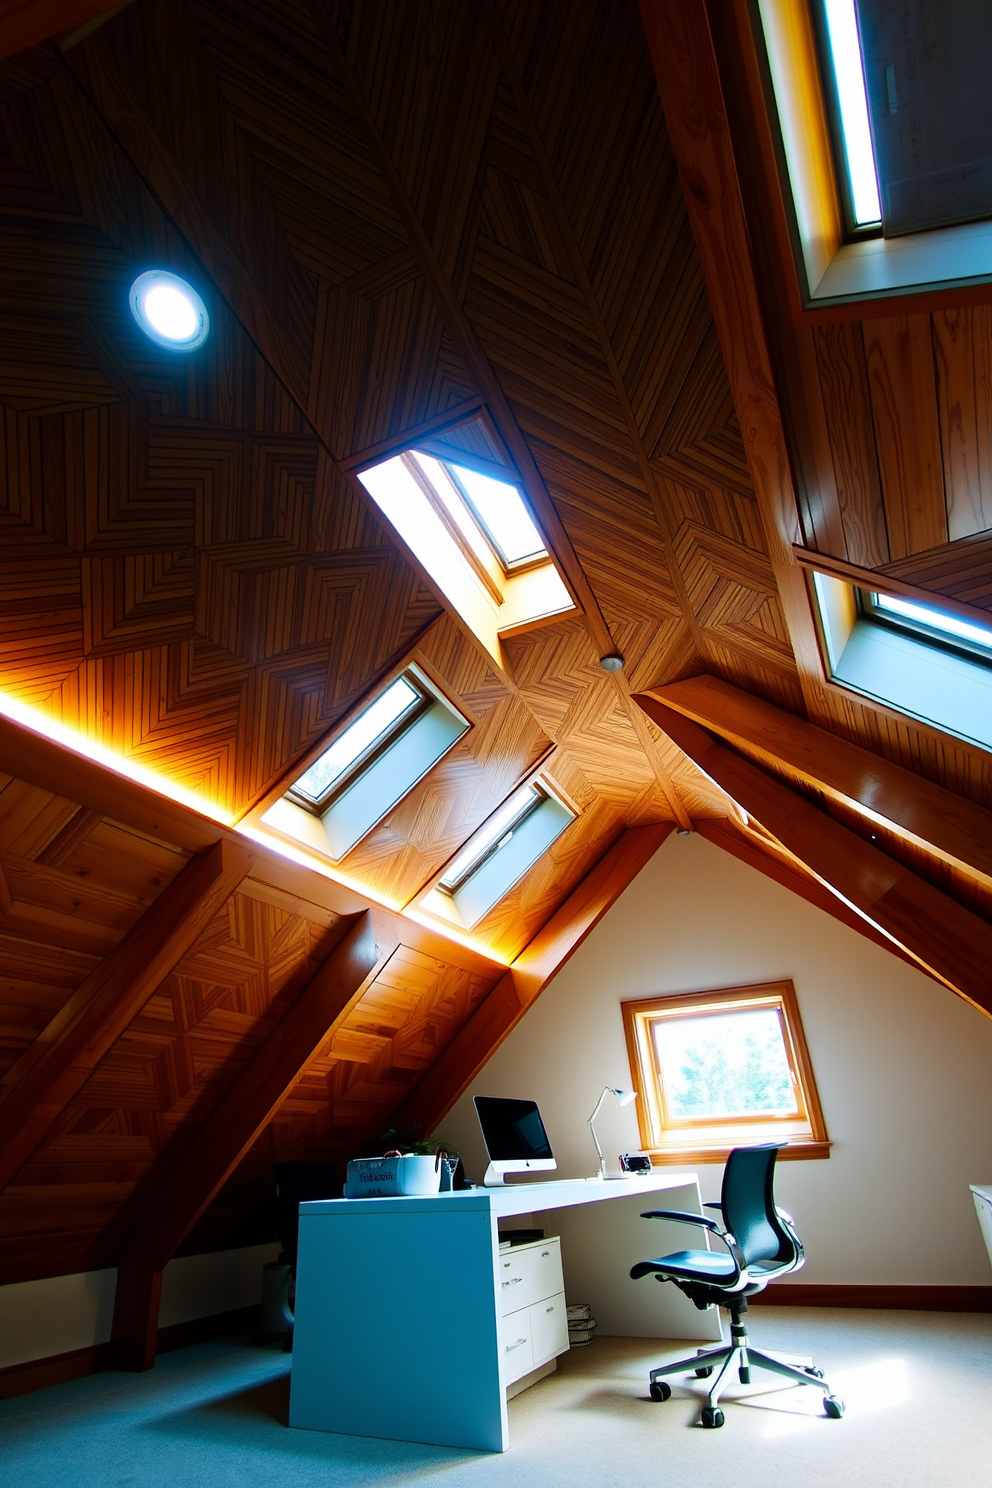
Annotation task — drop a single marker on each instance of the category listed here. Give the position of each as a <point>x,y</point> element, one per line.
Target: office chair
<point>762,1245</point>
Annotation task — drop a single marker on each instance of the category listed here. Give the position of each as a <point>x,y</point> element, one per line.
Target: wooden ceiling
<point>401,213</point>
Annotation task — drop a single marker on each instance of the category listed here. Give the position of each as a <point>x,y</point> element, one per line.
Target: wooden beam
<point>37,1089</point>
<point>27,23</point>
<point>691,91</point>
<point>944,939</point>
<point>156,1224</point>
<point>953,829</point>
<point>522,983</point>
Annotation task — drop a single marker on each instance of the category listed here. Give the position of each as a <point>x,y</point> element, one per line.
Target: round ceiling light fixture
<point>612,663</point>
<point>169,311</point>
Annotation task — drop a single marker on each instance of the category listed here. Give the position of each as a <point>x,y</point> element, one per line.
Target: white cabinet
<point>533,1326</point>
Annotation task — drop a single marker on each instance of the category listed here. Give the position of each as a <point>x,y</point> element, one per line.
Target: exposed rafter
<point>49,1074</point>
<point>935,819</point>
<point>156,1224</point>
<point>947,941</point>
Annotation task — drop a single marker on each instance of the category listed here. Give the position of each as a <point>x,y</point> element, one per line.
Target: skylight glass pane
<point>497,828</point>
<point>503,512</point>
<point>845,50</point>
<point>948,625</point>
<point>725,1065</point>
<point>377,720</point>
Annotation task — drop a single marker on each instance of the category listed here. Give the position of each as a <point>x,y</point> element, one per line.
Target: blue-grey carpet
<point>213,1416</point>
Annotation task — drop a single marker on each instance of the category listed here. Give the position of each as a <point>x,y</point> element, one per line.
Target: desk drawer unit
<point>529,1273</point>
<point>533,1326</point>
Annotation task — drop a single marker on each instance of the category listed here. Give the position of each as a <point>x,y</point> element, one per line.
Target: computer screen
<point>512,1129</point>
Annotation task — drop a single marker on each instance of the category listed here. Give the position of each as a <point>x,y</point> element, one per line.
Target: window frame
<point>493,600</point>
<point>449,905</point>
<point>300,821</point>
<point>824,267</point>
<point>367,757</point>
<point>684,1141</point>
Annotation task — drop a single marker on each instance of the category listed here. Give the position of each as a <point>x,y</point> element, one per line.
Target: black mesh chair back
<point>748,1204</point>
<point>297,1183</point>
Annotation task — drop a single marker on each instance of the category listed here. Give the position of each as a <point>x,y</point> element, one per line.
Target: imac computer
<point>515,1139</point>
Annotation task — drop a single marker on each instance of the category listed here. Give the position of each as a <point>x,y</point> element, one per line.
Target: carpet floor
<point>918,1388</point>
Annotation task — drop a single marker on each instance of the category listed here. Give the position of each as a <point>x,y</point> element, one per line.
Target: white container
<point>392,1177</point>
<point>983,1207</point>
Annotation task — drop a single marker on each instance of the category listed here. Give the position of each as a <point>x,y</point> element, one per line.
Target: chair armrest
<point>681,1218</point>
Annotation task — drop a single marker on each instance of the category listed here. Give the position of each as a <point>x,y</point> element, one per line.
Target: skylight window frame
<point>914,677</point>
<point>855,230</point>
<point>457,904</point>
<point>426,697</point>
<point>527,809</point>
<point>507,567</point>
<point>932,634</point>
<point>706,1138</point>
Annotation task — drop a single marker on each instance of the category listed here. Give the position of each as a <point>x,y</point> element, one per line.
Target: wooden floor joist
<point>944,939</point>
<point>37,1089</point>
<point>157,1223</point>
<point>530,973</point>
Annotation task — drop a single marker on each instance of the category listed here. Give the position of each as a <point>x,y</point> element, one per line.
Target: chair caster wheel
<point>813,1372</point>
<point>704,1373</point>
<point>711,1416</point>
<point>833,1407</point>
<point>660,1390</point>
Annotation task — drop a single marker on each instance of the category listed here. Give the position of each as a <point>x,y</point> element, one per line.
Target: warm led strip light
<point>80,744</point>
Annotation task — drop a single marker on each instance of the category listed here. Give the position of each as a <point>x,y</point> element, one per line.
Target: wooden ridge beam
<point>953,829</point>
<point>39,1086</point>
<point>156,1224</point>
<point>450,1076</point>
<point>943,938</point>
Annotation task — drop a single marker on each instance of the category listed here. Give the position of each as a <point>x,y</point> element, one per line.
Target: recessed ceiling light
<point>169,311</point>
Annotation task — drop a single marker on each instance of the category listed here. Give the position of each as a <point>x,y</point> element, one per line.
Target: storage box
<point>391,1177</point>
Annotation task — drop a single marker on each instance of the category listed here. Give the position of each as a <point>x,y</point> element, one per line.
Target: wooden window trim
<point>813,1143</point>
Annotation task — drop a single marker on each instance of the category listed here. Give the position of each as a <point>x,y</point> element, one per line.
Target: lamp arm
<point>592,1118</point>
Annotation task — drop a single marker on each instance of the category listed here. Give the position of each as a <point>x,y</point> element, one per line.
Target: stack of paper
<point>581,1324</point>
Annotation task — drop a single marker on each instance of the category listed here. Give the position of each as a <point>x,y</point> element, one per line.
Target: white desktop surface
<point>397,1305</point>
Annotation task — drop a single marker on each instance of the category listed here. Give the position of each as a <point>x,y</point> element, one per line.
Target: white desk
<point>397,1300</point>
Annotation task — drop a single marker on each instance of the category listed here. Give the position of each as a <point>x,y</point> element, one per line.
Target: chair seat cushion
<point>702,1265</point>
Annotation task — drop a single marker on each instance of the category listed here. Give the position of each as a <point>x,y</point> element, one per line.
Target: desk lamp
<point>624,1098</point>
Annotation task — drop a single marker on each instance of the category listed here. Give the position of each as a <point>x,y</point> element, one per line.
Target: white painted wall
<point>903,1067</point>
<point>61,1313</point>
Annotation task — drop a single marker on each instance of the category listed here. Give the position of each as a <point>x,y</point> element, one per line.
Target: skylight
<point>852,99</point>
<point>935,621</point>
<point>496,833</point>
<point>359,739</point>
<point>368,769</point>
<point>473,533</point>
<point>499,854</point>
<point>502,514</point>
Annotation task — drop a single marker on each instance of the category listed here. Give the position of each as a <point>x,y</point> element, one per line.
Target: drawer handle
<point>513,1281</point>
<point>545,1252</point>
<point>549,1309</point>
<point>511,1346</point>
